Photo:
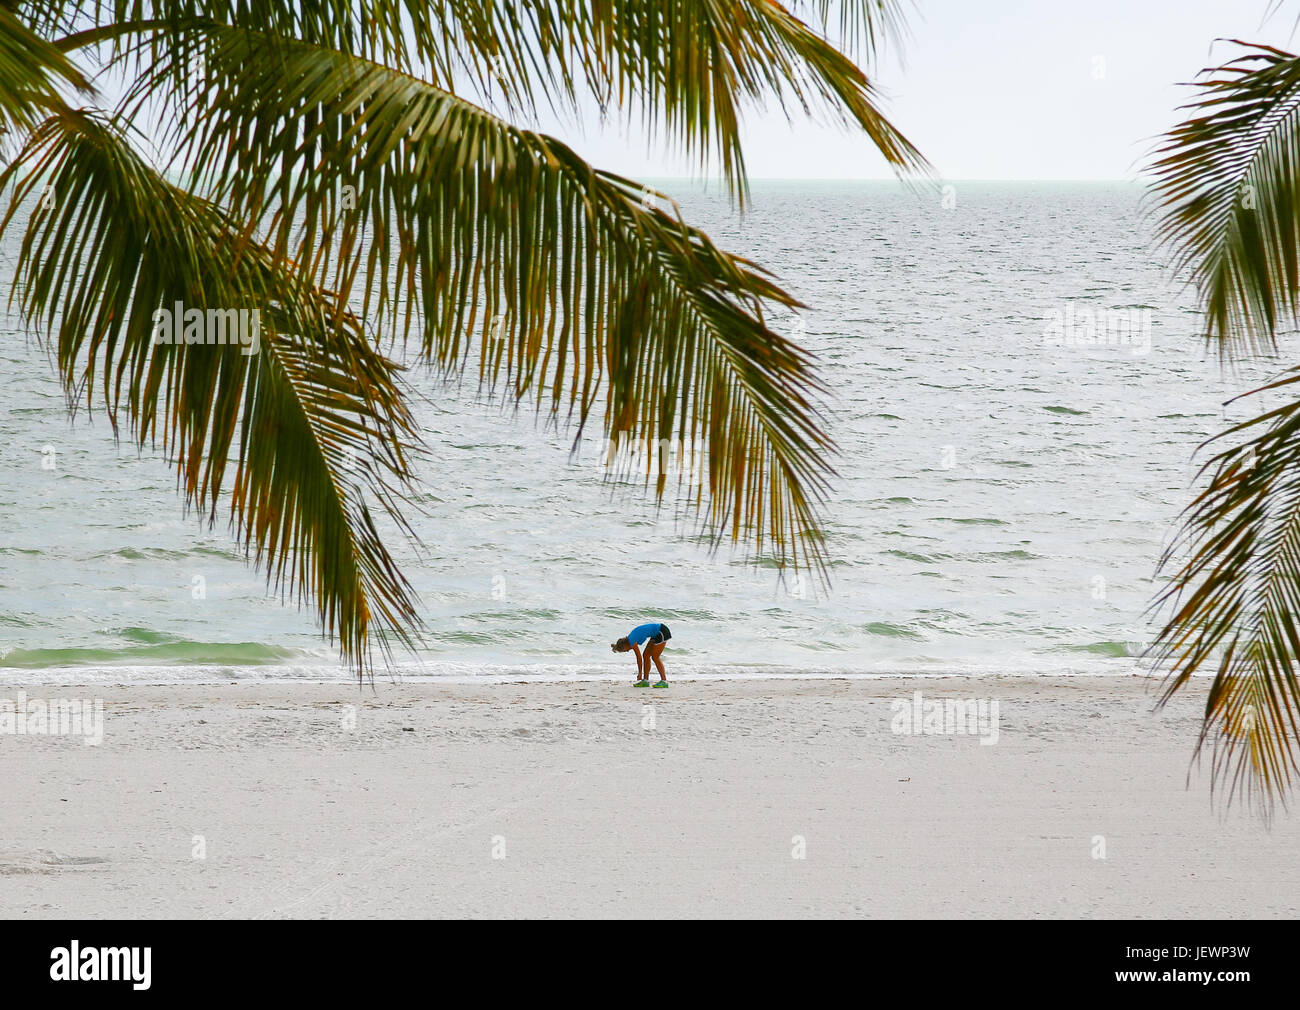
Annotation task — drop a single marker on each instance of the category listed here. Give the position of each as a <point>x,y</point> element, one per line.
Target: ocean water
<point>1002,500</point>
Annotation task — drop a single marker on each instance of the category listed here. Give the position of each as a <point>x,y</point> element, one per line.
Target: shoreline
<point>135,676</point>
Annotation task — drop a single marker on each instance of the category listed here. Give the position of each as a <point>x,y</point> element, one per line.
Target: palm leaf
<point>688,67</point>
<point>570,285</point>
<point>865,26</point>
<point>1234,604</point>
<point>314,422</point>
<point>31,72</point>
<point>1226,184</point>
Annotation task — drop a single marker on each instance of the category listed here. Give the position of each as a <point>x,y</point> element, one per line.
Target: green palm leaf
<point>314,422</point>
<point>31,71</point>
<point>689,67</point>
<point>572,288</point>
<point>1226,185</point>
<point>1235,601</point>
<point>864,25</point>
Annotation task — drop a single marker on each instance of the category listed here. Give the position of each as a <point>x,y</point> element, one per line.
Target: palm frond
<point>31,72</point>
<point>1233,604</point>
<point>1226,185</point>
<point>864,26</point>
<point>571,282</point>
<point>311,416</point>
<point>689,67</point>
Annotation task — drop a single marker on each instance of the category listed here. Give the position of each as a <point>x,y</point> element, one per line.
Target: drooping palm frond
<point>1226,184</point>
<point>1235,604</point>
<point>572,286</point>
<point>690,65</point>
<point>310,414</point>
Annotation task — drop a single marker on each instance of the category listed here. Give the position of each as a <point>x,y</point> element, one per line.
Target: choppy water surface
<point>1003,494</point>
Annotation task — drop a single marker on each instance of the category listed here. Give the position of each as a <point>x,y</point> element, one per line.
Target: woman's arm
<point>638,663</point>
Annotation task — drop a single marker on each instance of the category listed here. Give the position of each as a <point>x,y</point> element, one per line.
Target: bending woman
<point>656,636</point>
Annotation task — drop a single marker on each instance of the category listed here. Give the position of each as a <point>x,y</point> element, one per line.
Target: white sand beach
<point>567,800</point>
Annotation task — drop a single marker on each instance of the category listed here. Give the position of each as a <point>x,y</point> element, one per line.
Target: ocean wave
<point>174,653</point>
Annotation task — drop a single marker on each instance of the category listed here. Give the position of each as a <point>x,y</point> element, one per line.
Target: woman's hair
<point>622,645</point>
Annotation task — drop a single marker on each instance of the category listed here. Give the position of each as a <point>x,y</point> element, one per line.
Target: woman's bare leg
<point>652,652</point>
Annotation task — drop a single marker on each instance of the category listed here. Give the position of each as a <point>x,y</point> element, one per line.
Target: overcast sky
<point>1002,89</point>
